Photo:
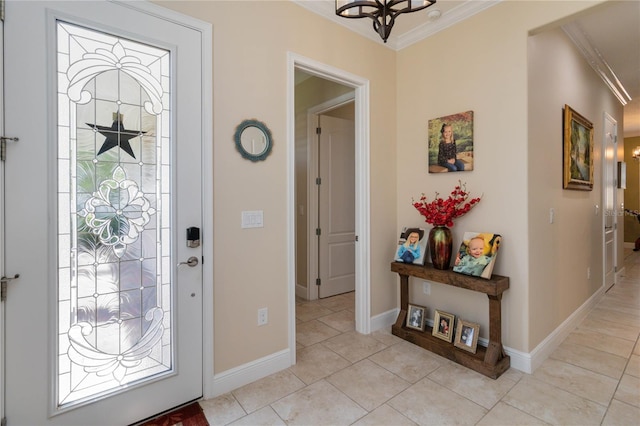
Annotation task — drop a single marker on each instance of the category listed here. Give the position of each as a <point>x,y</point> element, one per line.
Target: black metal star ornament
<point>116,135</point>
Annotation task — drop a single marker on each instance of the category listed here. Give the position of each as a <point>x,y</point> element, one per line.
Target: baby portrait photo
<point>477,254</point>
<point>450,144</point>
<point>412,246</point>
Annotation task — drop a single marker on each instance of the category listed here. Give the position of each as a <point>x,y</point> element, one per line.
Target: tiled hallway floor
<point>345,378</point>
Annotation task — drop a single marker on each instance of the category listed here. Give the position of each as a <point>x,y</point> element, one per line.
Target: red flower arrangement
<point>440,211</point>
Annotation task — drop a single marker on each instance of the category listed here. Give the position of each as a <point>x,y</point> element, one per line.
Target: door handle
<point>5,280</point>
<point>191,262</point>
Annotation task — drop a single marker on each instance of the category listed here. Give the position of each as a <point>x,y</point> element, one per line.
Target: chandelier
<point>383,12</point>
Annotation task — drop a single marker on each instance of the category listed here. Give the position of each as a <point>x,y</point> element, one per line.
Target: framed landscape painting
<point>578,151</point>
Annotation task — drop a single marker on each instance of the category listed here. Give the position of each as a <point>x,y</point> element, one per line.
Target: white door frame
<point>312,200</point>
<point>605,182</point>
<point>363,252</point>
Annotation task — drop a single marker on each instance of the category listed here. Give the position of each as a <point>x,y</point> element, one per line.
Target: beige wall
<point>480,64</point>
<point>250,45</point>
<point>562,252</point>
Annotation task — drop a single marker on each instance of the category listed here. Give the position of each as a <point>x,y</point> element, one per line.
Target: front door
<point>104,323</point>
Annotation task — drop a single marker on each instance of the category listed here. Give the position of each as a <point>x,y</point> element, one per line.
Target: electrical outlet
<point>263,316</point>
<point>588,273</point>
<point>426,287</point>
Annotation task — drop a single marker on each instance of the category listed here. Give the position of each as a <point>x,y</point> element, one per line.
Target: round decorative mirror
<point>253,140</point>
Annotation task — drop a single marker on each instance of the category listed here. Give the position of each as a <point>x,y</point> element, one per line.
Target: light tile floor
<point>345,378</point>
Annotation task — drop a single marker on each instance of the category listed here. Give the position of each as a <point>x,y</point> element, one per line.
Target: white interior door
<point>609,198</point>
<point>336,206</point>
<point>102,326</point>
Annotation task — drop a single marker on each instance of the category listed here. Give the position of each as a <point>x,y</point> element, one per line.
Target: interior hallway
<point>345,378</point>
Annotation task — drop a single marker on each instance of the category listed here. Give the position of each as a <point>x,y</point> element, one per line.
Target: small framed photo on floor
<point>467,336</point>
<point>416,316</point>
<point>443,325</point>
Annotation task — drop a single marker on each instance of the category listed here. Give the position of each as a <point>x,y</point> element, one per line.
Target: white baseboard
<point>301,291</point>
<point>541,352</point>
<point>522,361</point>
<point>384,320</point>
<point>629,245</point>
<point>248,373</point>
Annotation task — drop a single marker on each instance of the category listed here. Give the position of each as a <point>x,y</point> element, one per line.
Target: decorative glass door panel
<point>114,294</point>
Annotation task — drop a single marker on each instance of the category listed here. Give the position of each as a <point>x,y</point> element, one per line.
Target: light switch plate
<point>252,219</point>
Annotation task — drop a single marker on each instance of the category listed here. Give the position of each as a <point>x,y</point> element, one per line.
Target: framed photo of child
<point>416,317</point>
<point>443,323</point>
<point>467,336</point>
<point>412,246</point>
<point>450,144</point>
<point>477,254</point>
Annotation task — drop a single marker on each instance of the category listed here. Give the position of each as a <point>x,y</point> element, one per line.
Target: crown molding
<point>595,59</point>
<point>363,27</point>
<point>448,19</point>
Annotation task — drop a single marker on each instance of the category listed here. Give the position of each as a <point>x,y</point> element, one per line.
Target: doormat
<point>189,415</point>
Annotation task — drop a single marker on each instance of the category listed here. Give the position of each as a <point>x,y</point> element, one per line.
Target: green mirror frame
<point>253,140</point>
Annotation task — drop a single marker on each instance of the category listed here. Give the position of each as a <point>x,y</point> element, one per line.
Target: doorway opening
<point>609,197</point>
<point>348,89</point>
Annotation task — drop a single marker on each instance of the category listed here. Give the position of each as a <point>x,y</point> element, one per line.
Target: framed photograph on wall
<point>450,143</point>
<point>443,323</point>
<point>467,336</point>
<point>578,151</point>
<point>416,316</point>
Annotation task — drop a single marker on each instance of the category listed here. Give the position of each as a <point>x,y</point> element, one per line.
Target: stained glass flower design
<point>118,212</point>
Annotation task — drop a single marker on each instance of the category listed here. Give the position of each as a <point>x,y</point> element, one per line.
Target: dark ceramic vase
<point>440,246</point>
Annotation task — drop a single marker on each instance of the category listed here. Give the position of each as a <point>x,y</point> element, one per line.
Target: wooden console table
<point>490,361</point>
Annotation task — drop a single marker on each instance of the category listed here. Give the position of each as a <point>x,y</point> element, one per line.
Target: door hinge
<point>356,238</point>
<point>318,231</point>
<point>318,181</point>
<point>3,286</point>
<point>3,146</point>
<point>318,281</point>
<point>318,130</point>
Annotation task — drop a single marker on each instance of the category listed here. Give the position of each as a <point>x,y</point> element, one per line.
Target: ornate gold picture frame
<point>578,151</point>
<point>443,324</point>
